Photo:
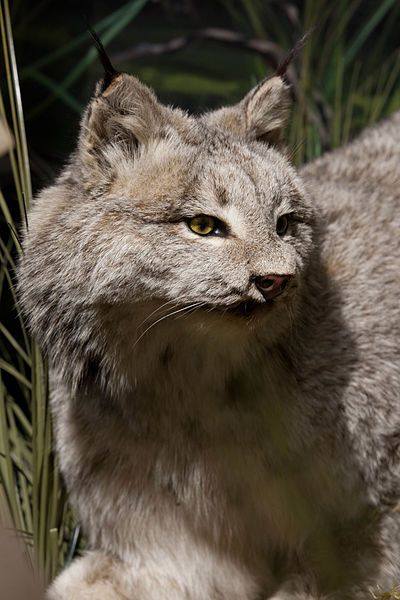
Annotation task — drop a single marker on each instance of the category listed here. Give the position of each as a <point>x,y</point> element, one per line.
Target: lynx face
<point>161,215</point>
<point>211,217</point>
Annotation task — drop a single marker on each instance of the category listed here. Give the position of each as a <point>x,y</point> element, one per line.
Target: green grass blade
<point>11,339</point>
<point>57,90</point>
<point>11,154</point>
<point>26,425</point>
<point>367,29</point>
<point>81,40</point>
<point>6,465</point>
<point>5,366</point>
<point>6,273</point>
<point>16,103</point>
<point>5,210</point>
<point>130,12</point>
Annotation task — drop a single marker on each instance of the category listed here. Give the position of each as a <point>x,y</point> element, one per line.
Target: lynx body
<point>220,441</point>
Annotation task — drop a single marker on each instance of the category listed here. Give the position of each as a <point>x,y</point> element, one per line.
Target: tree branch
<point>271,51</point>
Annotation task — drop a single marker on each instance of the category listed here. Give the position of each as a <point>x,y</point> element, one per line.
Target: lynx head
<point>165,224</point>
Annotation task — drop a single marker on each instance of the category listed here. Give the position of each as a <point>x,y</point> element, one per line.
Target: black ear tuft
<point>282,67</point>
<point>109,72</point>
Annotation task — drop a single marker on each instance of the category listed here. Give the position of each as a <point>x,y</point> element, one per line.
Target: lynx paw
<point>92,577</point>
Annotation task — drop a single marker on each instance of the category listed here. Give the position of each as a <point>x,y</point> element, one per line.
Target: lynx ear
<point>123,115</point>
<point>123,110</point>
<point>261,115</point>
<point>267,110</point>
<point>127,111</point>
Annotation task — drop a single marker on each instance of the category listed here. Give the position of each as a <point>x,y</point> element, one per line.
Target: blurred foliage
<point>198,55</point>
<point>347,75</point>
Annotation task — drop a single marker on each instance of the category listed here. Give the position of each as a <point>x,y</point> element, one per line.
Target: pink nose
<point>271,286</point>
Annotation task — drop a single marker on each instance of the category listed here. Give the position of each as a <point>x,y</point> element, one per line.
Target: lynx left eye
<point>204,225</point>
<point>282,225</point>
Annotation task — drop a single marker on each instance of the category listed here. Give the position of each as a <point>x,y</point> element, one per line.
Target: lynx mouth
<point>248,308</point>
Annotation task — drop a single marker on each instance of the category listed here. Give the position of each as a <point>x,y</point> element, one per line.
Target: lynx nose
<point>271,286</point>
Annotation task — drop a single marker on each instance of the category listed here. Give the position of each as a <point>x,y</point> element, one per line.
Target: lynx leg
<point>299,589</point>
<point>95,576</point>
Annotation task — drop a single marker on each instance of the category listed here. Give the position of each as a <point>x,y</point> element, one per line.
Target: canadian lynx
<point>222,333</point>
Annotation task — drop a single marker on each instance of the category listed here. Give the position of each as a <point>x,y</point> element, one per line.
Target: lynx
<point>222,334</point>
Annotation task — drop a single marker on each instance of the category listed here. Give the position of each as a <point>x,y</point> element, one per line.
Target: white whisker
<point>192,310</point>
<point>156,311</point>
<point>175,301</point>
<point>184,308</point>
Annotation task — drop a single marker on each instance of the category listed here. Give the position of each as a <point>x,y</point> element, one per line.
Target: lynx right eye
<point>282,225</point>
<point>204,225</point>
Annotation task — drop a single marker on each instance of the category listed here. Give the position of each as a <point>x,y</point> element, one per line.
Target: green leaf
<point>366,30</point>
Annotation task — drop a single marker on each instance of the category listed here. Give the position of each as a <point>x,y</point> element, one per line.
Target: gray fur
<point>211,455</point>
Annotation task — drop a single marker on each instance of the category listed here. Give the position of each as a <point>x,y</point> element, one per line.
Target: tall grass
<point>31,497</point>
<point>344,84</point>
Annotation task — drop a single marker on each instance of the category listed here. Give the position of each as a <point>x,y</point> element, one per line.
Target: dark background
<point>351,58</point>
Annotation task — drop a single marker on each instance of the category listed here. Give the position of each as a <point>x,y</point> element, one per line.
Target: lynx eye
<point>282,225</point>
<point>203,225</point>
